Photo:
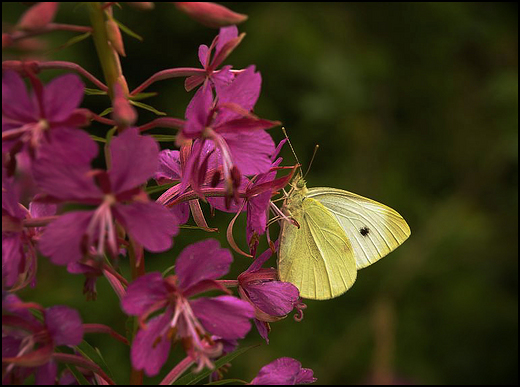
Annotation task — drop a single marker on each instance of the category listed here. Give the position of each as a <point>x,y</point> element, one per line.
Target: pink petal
<point>224,316</point>
<point>45,375</point>
<point>225,35</point>
<point>202,261</point>
<point>169,165</point>
<point>142,294</point>
<point>135,159</point>
<point>12,254</point>
<point>64,325</point>
<point>283,371</point>
<point>16,102</point>
<point>61,240</point>
<point>62,96</point>
<point>197,112</point>
<point>150,224</point>
<point>251,151</point>
<point>203,55</point>
<point>273,297</point>
<point>151,346</point>
<point>74,145</point>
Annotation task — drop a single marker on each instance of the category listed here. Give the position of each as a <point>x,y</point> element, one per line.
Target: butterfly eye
<point>364,231</point>
<point>300,183</point>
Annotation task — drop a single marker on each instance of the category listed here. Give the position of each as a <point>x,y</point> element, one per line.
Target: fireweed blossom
<point>118,196</point>
<point>190,321</point>
<point>28,345</point>
<point>284,371</point>
<point>238,137</point>
<point>212,57</point>
<point>47,116</point>
<point>18,251</point>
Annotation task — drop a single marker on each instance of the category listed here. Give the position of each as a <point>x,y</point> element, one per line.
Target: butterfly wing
<point>374,230</point>
<point>317,257</point>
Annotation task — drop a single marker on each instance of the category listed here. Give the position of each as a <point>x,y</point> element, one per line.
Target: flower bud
<point>143,6</point>
<point>210,14</point>
<point>114,36</point>
<point>124,113</point>
<point>38,16</point>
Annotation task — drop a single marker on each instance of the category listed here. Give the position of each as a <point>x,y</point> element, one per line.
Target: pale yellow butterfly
<point>339,232</point>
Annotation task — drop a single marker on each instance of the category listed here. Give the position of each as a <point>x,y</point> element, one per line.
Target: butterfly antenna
<point>312,159</point>
<point>292,149</point>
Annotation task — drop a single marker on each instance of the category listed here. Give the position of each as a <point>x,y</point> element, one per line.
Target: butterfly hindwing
<point>374,230</point>
<point>317,257</point>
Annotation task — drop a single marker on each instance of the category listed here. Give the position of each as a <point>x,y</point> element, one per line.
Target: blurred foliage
<point>414,105</point>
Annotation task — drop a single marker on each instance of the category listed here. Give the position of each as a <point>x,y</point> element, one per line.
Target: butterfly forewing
<point>374,230</point>
<point>317,257</point>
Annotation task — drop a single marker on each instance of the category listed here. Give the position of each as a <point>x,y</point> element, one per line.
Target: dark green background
<point>413,105</point>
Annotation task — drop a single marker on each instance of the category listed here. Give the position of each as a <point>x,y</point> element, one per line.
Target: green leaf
<point>225,381</point>
<point>158,188</point>
<point>78,375</point>
<point>72,41</point>
<point>164,137</point>
<point>106,112</point>
<point>93,354</point>
<point>141,96</point>
<point>94,91</point>
<point>147,107</point>
<point>98,139</point>
<point>193,377</point>
<point>128,31</point>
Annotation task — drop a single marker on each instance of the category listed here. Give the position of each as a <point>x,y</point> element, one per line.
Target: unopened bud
<point>143,6</point>
<point>124,113</point>
<point>38,16</point>
<point>210,14</point>
<point>114,36</point>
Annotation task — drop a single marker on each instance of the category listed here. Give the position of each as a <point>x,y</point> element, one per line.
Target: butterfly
<point>333,234</point>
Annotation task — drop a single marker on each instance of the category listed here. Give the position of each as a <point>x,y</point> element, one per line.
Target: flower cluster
<point>94,212</point>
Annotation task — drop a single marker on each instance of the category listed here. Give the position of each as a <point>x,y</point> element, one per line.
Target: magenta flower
<point>18,252</point>
<point>28,345</point>
<point>238,137</point>
<point>47,116</point>
<point>117,195</point>
<point>223,44</point>
<point>284,371</point>
<point>272,299</point>
<point>191,321</point>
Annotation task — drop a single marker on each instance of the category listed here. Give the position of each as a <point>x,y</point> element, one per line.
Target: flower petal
<point>12,254</point>
<point>283,371</point>
<point>16,102</point>
<point>135,159</point>
<point>74,145</point>
<point>64,324</point>
<point>224,316</point>
<point>142,294</point>
<point>61,240</point>
<point>151,347</point>
<point>251,151</point>
<point>61,96</point>
<point>202,261</point>
<point>169,165</point>
<point>275,298</point>
<point>45,375</point>
<point>150,224</point>
<point>197,112</point>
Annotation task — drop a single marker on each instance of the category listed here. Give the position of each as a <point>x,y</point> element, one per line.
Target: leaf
<point>82,381</point>
<point>128,31</point>
<point>94,91</point>
<point>158,188</point>
<point>164,137</point>
<point>93,354</point>
<point>141,96</point>
<point>147,107</point>
<point>98,139</point>
<point>106,112</point>
<point>72,41</point>
<point>193,377</point>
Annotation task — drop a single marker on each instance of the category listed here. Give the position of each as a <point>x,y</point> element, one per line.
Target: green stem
<point>105,53</point>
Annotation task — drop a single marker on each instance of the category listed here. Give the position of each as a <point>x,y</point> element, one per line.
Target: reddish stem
<point>167,74</point>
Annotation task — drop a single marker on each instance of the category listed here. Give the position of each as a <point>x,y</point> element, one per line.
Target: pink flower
<point>191,321</point>
<point>48,116</point>
<point>284,371</point>
<point>117,196</point>
<point>210,14</point>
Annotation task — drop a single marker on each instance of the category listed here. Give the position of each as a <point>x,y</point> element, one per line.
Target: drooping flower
<point>237,136</point>
<point>223,44</point>
<point>28,345</point>
<point>272,299</point>
<point>190,321</point>
<point>284,371</point>
<point>118,196</point>
<point>47,116</point>
<point>18,252</point>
